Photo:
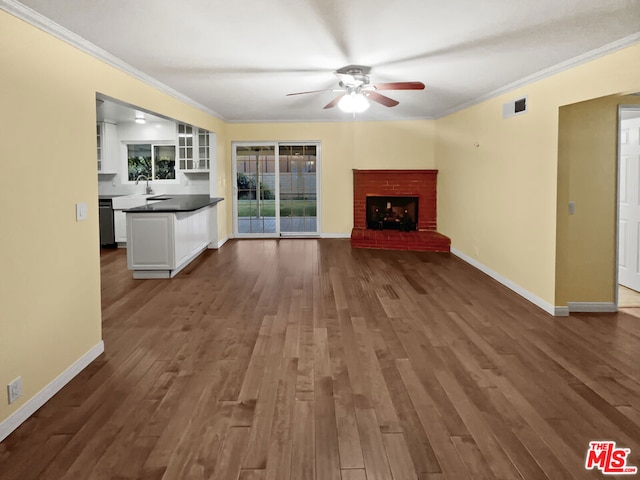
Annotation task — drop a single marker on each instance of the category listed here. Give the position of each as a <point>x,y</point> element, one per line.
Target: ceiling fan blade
<point>400,86</point>
<point>334,102</point>
<point>304,93</point>
<point>381,99</point>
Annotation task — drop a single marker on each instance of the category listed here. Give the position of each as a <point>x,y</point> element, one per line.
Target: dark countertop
<point>176,203</point>
<point>108,197</point>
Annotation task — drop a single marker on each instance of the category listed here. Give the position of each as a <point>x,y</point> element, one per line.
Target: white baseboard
<point>592,307</point>
<point>215,246</point>
<point>151,274</point>
<point>544,305</point>
<point>556,311</point>
<point>335,235</point>
<point>38,400</point>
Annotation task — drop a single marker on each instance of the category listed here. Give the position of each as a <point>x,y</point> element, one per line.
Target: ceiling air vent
<point>515,107</point>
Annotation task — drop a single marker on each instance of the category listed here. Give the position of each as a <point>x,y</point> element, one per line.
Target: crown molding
<point>548,72</point>
<point>330,120</point>
<point>49,26</point>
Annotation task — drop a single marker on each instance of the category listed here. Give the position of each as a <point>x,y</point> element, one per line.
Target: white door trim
<point>621,108</point>
<point>277,145</point>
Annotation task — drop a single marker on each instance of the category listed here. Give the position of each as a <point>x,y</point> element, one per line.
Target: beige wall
<point>587,175</point>
<point>497,201</point>
<point>345,146</point>
<point>50,282</point>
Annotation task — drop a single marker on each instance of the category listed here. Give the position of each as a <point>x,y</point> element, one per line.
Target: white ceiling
<point>121,113</point>
<point>240,58</point>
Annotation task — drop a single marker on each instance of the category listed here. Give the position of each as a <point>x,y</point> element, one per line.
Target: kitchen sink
<point>159,197</point>
<point>130,201</point>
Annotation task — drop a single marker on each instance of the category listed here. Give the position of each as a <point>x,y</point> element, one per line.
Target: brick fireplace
<point>396,209</point>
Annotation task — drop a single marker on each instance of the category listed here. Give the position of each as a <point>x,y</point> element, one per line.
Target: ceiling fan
<point>356,89</point>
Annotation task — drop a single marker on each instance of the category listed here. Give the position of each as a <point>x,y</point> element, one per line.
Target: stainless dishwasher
<point>107,229</point>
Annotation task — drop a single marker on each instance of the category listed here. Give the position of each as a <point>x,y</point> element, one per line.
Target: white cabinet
<point>120,226</point>
<point>119,217</point>
<point>194,149</point>
<point>192,233</point>
<point>107,143</point>
<point>204,151</point>
<point>160,244</point>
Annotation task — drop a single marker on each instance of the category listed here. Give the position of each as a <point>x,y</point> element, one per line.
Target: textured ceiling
<point>240,58</point>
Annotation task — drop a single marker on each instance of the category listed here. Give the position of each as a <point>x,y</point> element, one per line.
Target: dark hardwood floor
<point>302,359</point>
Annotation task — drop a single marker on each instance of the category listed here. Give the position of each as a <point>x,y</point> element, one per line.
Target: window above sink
<point>155,162</point>
<point>175,155</point>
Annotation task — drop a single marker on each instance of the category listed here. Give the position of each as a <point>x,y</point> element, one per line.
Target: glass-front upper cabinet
<point>193,149</point>
<point>203,149</point>
<point>185,146</point>
<point>99,140</point>
<point>107,144</point>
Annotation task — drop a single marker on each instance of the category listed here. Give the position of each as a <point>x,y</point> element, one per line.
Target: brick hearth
<point>397,183</point>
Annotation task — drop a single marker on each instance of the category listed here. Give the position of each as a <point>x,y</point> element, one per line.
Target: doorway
<point>629,207</point>
<point>276,190</point>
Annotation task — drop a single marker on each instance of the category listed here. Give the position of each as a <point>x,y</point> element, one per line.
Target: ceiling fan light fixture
<point>353,103</point>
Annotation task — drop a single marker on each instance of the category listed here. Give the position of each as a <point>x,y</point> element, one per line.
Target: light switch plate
<point>81,211</point>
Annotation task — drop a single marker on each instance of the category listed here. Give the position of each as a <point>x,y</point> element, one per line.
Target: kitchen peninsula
<point>167,233</point>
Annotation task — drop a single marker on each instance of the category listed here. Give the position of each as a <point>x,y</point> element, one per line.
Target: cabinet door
<point>186,142</point>
<point>194,149</point>
<point>99,139</point>
<point>109,148</point>
<point>120,225</point>
<point>150,245</point>
<point>203,150</point>
<point>107,144</point>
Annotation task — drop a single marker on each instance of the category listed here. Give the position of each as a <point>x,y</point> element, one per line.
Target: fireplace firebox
<point>392,213</point>
<point>386,214</point>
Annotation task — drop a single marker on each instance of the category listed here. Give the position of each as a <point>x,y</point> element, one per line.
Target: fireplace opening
<point>392,213</point>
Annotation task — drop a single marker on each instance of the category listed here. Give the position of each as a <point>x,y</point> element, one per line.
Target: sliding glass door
<point>276,198</point>
<point>298,188</point>
<point>255,202</point>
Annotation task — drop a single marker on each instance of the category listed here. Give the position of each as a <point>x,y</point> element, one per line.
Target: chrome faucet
<point>148,190</point>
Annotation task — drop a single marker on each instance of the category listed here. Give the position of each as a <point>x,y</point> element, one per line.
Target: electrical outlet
<point>14,390</point>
